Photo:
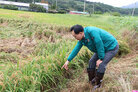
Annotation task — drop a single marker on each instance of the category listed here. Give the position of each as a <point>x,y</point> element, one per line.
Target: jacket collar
<point>84,39</point>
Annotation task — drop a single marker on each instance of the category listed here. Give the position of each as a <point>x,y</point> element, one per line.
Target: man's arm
<point>75,51</point>
<point>72,55</point>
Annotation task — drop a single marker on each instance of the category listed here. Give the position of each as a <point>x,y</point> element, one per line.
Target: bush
<point>37,8</point>
<point>11,7</point>
<point>115,14</point>
<point>123,48</point>
<point>62,11</point>
<point>131,38</point>
<point>97,12</point>
<point>107,13</point>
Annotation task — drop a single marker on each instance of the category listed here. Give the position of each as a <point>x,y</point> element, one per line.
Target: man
<point>97,40</point>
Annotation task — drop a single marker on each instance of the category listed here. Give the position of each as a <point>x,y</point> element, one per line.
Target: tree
<point>37,8</point>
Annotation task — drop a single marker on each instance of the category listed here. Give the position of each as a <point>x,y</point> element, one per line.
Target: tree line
<point>78,5</point>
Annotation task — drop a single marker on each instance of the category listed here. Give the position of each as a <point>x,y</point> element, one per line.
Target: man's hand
<point>65,65</point>
<point>98,62</point>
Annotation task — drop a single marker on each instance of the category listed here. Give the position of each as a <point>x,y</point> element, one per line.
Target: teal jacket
<point>96,40</point>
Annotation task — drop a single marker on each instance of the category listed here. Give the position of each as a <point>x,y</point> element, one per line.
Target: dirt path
<point>121,76</point>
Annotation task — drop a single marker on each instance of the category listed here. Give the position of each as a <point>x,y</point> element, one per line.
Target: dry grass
<point>131,37</point>
<point>121,76</point>
<point>21,46</point>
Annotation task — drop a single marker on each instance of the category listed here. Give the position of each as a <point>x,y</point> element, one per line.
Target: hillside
<point>79,4</point>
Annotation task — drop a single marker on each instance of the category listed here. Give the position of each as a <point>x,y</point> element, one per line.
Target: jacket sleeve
<point>75,51</point>
<point>98,44</point>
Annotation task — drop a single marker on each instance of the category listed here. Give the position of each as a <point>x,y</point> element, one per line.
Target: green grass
<point>41,70</point>
<point>109,23</point>
<point>58,19</point>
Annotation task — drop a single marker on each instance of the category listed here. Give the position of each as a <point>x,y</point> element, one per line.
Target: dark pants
<point>108,56</point>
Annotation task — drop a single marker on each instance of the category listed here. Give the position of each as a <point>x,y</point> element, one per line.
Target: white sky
<point>116,3</point>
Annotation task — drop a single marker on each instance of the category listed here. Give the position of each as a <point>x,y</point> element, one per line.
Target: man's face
<point>78,36</point>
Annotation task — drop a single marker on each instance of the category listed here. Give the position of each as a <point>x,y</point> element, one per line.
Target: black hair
<point>77,29</point>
